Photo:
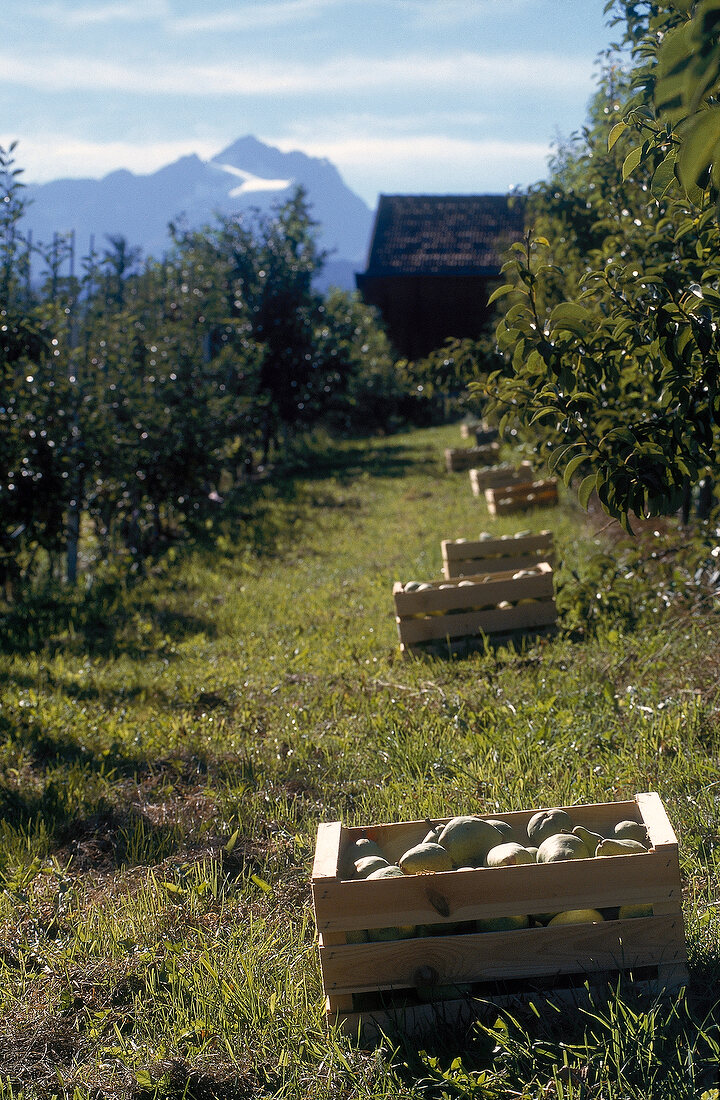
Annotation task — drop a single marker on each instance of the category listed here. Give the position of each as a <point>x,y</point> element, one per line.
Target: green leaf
<point>664,176</point>
<point>699,148</point>
<point>617,131</point>
<point>232,842</point>
<point>500,292</point>
<point>546,410</point>
<point>571,317</point>
<point>263,885</point>
<point>573,465</point>
<point>586,487</point>
<point>631,162</point>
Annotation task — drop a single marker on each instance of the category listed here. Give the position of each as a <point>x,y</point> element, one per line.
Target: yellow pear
<point>546,823</point>
<point>425,857</point>
<point>469,839</point>
<point>577,916</point>
<point>626,912</point>
<point>588,837</point>
<point>502,924</point>
<point>631,830</point>
<point>561,846</point>
<point>508,855</point>
<point>613,846</point>
<point>364,866</point>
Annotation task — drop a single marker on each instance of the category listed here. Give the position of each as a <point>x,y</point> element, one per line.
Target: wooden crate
<point>521,497</point>
<point>465,558</point>
<point>495,477</point>
<point>468,428</point>
<point>479,430</point>
<point>460,459</point>
<point>374,985</point>
<point>470,610</point>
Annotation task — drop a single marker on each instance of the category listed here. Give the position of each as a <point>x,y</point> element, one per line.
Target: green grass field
<point>169,748</point>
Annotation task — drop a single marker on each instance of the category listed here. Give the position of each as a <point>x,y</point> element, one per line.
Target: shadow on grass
<point>116,616</point>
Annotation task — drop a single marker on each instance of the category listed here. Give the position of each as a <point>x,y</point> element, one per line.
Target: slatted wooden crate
<point>460,459</point>
<point>466,558</point>
<point>495,477</point>
<point>384,985</point>
<point>479,430</point>
<point>452,615</point>
<point>521,497</point>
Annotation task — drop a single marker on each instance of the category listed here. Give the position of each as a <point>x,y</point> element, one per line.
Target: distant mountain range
<point>246,175</point>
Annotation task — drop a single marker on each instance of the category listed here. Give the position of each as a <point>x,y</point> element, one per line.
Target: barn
<point>433,262</point>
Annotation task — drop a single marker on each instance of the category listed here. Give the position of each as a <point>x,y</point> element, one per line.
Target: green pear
<point>546,823</point>
<point>469,839</point>
<point>502,924</point>
<point>391,871</point>
<point>631,830</point>
<point>508,855</point>
<point>561,846</point>
<point>577,916</point>
<point>588,837</point>
<point>403,932</point>
<point>503,827</point>
<point>367,864</point>
<point>626,912</point>
<point>356,849</point>
<point>425,857</point>
<point>613,846</point>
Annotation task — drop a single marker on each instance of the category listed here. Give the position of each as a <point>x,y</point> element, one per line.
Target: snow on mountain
<point>247,176</point>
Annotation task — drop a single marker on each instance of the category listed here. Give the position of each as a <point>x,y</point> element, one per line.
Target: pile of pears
<point>467,843</point>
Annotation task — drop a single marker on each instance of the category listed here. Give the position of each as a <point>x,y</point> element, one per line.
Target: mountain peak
<point>247,175</point>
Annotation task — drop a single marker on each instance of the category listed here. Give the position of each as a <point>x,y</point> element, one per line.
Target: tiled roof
<point>443,234</point>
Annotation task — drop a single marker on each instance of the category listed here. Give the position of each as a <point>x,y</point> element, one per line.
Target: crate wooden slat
<point>521,497</point>
<point>471,557</point>
<point>454,610</point>
<point>563,953</point>
<point>460,459</point>
<point>495,477</point>
<point>479,430</point>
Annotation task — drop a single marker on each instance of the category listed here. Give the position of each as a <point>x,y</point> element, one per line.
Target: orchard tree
<point>610,333</point>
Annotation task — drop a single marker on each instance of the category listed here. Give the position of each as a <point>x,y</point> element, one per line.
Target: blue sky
<point>401,95</point>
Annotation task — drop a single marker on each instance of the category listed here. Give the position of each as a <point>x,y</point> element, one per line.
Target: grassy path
<point>162,780</point>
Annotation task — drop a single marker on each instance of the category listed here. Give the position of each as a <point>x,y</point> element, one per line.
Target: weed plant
<point>168,748</point>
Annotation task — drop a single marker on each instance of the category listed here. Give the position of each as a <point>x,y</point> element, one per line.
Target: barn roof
<point>443,234</point>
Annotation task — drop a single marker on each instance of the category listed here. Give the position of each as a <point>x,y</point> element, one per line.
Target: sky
<point>403,96</point>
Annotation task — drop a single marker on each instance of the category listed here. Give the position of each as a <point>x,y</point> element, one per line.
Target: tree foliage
<point>131,392</point>
<point>609,328</point>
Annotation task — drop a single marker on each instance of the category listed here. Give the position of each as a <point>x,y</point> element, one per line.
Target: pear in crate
<point>365,866</point>
<point>424,858</point>
<point>508,855</point>
<point>613,846</point>
<point>546,823</point>
<point>577,916</point>
<point>631,830</point>
<point>561,846</point>
<point>469,839</point>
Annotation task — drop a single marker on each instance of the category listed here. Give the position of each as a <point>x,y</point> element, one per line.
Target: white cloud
<point>46,157</point>
<point>114,11</point>
<point>419,152</point>
<point>466,72</point>
<point>246,18</point>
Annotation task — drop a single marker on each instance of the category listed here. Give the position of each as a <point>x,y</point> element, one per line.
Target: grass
<point>168,749</point>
